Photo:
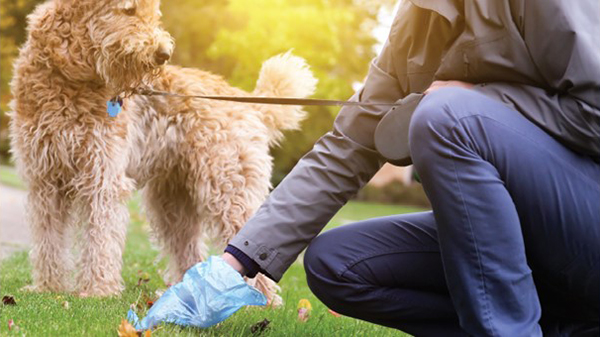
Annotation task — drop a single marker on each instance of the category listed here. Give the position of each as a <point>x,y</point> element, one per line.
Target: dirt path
<point>14,233</point>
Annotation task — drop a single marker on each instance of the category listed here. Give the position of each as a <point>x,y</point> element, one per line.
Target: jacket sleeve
<point>563,40</point>
<point>340,163</point>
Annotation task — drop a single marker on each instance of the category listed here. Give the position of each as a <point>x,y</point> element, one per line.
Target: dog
<point>203,167</point>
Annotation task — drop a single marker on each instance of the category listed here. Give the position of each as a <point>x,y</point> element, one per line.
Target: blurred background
<point>232,38</point>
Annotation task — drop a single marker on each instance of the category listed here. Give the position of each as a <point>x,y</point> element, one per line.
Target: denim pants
<point>511,248</point>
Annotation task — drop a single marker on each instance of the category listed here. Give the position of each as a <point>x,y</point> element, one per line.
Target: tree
<point>233,39</point>
<point>13,14</point>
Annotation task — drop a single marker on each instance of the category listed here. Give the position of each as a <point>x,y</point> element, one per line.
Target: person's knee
<point>437,109</point>
<point>320,266</point>
<point>316,263</point>
<point>436,116</point>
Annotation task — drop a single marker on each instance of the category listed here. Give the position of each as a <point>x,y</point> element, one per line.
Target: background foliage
<point>13,15</point>
<point>234,37</point>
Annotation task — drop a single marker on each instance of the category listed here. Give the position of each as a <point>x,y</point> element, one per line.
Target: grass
<point>48,315</point>
<point>9,177</point>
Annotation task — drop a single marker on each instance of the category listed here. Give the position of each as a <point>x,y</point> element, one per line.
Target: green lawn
<point>48,315</point>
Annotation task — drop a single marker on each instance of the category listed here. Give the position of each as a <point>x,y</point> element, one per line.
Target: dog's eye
<point>129,11</point>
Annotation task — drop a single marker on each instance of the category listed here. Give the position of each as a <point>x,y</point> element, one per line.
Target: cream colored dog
<point>203,166</point>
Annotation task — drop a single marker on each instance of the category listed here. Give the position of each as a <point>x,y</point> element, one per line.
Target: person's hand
<point>442,84</point>
<point>234,263</point>
<point>209,293</point>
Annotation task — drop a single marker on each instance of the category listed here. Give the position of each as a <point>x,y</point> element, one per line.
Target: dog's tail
<point>284,75</point>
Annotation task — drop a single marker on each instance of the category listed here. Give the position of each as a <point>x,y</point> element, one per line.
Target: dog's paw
<point>86,294</point>
<point>104,290</point>
<point>31,289</point>
<point>275,301</point>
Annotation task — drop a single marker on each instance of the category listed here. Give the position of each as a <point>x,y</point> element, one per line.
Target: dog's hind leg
<point>237,184</point>
<point>48,212</point>
<point>176,225</point>
<point>103,239</point>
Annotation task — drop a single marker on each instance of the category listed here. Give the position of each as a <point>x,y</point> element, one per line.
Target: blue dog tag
<point>113,107</point>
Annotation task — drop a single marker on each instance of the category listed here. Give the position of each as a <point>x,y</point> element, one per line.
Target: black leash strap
<point>267,100</point>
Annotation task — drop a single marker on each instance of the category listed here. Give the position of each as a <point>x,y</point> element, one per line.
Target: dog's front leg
<point>48,212</point>
<point>102,242</point>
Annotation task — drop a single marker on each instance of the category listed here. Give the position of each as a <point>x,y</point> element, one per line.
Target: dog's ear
<point>53,27</point>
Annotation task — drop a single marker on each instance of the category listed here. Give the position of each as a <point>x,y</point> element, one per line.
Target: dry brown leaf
<point>304,309</point>
<point>126,329</point>
<point>8,300</point>
<point>259,327</point>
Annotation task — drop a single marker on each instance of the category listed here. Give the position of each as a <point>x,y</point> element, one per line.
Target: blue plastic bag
<point>209,293</point>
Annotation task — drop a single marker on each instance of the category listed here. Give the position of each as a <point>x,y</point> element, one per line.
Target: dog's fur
<point>203,166</point>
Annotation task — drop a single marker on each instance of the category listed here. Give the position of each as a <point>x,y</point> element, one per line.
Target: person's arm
<point>340,163</point>
<point>563,39</point>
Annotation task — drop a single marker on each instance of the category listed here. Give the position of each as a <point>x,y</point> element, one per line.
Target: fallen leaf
<point>304,303</point>
<point>304,309</point>
<point>303,314</point>
<point>144,278</point>
<point>334,313</point>
<point>65,305</point>
<point>126,329</point>
<point>8,300</point>
<point>259,327</point>
<point>149,300</point>
<point>138,307</point>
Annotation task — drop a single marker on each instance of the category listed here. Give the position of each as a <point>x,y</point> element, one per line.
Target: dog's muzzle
<point>161,56</point>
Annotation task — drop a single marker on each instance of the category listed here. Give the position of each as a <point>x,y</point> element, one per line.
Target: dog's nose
<point>161,56</point>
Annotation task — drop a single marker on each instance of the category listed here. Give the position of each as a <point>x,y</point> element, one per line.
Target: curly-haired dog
<point>204,166</point>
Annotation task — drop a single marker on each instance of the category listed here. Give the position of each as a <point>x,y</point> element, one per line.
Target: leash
<point>266,100</point>
<point>114,106</point>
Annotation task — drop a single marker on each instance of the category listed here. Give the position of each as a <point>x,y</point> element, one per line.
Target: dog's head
<point>129,44</point>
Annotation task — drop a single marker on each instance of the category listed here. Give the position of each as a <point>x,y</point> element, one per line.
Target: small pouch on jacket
<point>391,134</point>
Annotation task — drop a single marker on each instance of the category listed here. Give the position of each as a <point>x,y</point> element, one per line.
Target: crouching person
<point>506,142</point>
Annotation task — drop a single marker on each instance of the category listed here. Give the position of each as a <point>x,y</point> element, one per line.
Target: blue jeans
<point>510,249</point>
